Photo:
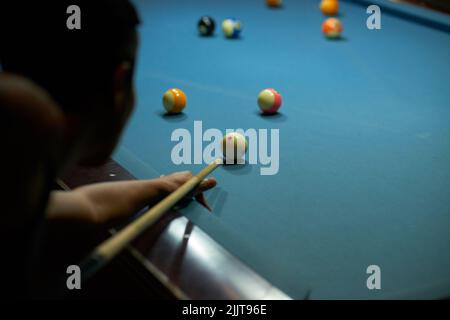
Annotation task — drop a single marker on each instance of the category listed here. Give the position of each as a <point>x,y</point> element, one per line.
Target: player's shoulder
<point>23,104</point>
<point>31,129</point>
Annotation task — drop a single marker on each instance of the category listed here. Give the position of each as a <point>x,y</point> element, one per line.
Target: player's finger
<point>181,176</point>
<point>207,184</point>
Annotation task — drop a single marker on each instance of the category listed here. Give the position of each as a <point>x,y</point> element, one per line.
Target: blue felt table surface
<point>364,172</point>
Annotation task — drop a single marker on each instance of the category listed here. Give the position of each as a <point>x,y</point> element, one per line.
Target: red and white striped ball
<point>332,28</point>
<point>269,101</point>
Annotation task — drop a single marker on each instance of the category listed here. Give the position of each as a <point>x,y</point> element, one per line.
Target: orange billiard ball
<point>174,100</point>
<point>329,7</point>
<point>274,3</point>
<point>332,28</point>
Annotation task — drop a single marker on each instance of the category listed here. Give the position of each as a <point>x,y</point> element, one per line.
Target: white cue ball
<point>234,147</point>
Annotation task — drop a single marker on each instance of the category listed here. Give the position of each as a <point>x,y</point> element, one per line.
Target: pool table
<point>364,150</point>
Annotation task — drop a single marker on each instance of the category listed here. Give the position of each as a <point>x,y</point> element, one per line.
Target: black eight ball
<point>206,26</point>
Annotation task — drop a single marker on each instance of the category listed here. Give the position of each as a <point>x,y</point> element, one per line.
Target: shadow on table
<point>340,39</point>
<point>216,198</point>
<point>276,8</point>
<point>172,117</point>
<point>238,38</point>
<point>275,117</point>
<point>212,36</point>
<point>238,169</point>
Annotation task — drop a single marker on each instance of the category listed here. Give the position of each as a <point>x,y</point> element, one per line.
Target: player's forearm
<point>112,201</point>
<point>68,205</point>
<point>106,202</point>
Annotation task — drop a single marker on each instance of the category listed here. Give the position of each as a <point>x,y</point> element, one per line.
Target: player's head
<point>88,71</point>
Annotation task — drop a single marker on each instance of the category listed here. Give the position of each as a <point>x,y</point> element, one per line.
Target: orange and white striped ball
<point>234,147</point>
<point>332,28</point>
<point>174,100</point>
<point>329,7</point>
<point>269,101</point>
<point>274,3</point>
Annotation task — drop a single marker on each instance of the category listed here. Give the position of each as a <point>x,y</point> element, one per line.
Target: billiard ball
<point>274,3</point>
<point>174,100</point>
<point>332,28</point>
<point>329,7</point>
<point>206,26</point>
<point>234,147</point>
<point>231,28</point>
<point>269,101</point>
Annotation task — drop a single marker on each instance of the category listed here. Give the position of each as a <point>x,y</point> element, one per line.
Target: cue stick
<point>108,249</point>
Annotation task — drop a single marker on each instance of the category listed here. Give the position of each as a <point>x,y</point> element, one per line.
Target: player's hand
<point>175,180</point>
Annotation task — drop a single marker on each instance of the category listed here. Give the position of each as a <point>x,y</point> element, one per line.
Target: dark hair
<point>70,64</point>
